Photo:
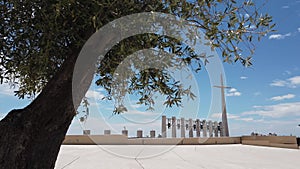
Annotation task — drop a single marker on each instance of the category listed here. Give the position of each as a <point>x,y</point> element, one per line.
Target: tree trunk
<point>31,137</point>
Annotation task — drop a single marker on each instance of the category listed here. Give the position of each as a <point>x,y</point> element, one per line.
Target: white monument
<point>224,113</point>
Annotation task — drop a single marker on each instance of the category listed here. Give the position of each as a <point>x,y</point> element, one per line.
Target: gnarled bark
<point>31,137</point>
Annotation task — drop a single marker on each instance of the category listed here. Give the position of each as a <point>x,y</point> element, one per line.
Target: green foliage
<point>85,110</point>
<point>38,36</point>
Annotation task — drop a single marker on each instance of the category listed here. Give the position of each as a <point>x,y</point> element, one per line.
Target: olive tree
<point>41,41</point>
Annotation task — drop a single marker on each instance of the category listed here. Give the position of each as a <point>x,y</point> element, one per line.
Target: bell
<point>169,125</point>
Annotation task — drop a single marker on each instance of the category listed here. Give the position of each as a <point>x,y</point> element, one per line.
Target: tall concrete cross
<point>224,113</point>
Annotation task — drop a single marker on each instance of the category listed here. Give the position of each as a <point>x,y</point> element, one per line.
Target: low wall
<point>123,140</point>
<point>271,141</point>
<point>95,139</point>
<point>212,140</point>
<point>155,141</point>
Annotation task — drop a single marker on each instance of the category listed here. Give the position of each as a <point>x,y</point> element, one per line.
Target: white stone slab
<point>187,156</point>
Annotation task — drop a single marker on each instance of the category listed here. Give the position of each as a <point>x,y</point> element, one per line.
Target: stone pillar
<point>86,132</point>
<point>152,133</point>
<point>190,128</point>
<point>125,132</point>
<point>173,127</point>
<point>210,129</point>
<point>182,128</point>
<point>204,128</point>
<point>198,127</point>
<point>107,132</point>
<point>163,126</point>
<point>216,128</point>
<point>139,134</point>
<point>221,129</point>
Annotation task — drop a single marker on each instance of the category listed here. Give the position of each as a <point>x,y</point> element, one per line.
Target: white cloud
<point>278,83</point>
<point>257,93</point>
<point>298,29</point>
<point>136,106</point>
<point>6,90</point>
<point>292,82</point>
<point>144,113</point>
<point>94,94</point>
<point>216,115</point>
<point>279,36</point>
<point>243,77</point>
<point>229,116</point>
<point>276,111</point>
<point>285,7</point>
<point>279,98</point>
<point>246,119</point>
<point>232,116</point>
<point>233,92</point>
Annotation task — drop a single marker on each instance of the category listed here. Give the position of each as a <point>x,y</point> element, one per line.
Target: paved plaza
<point>176,157</point>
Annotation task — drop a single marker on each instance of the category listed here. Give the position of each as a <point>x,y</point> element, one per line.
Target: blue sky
<point>264,98</point>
